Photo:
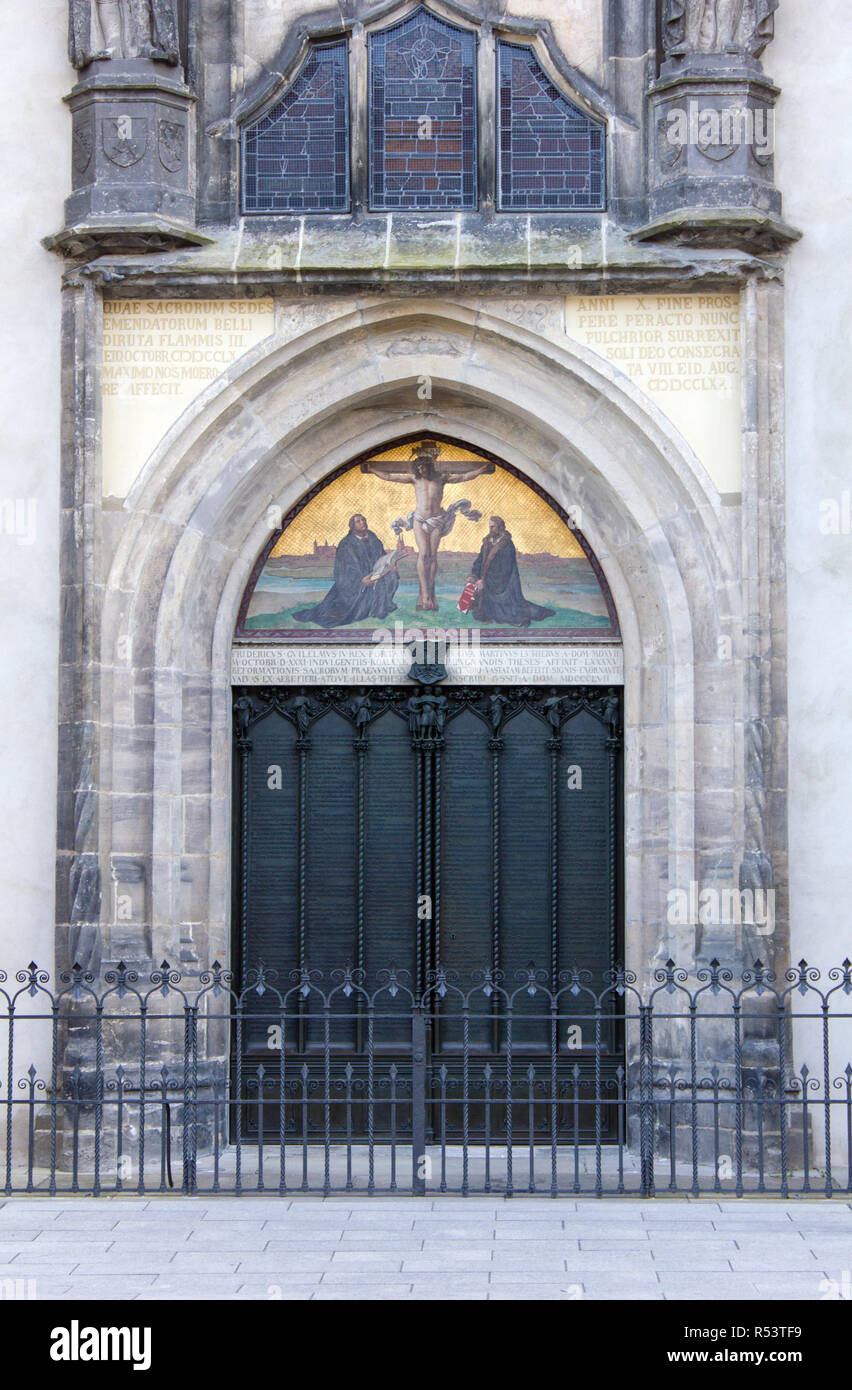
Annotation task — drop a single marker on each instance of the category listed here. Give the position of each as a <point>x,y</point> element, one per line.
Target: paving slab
<point>107,1286</point>
<point>295,1250</point>
<point>15,1236</point>
<point>440,1247</point>
<point>610,1260</point>
<point>45,1252</point>
<point>272,1262</point>
<point>828,1247</point>
<point>520,1262</point>
<point>622,1248</point>
<point>407,1240</point>
<point>787,1286</point>
<point>706,1286</point>
<point>447,1270</point>
<point>691,1262</point>
<point>189,1294</point>
<point>748,1262</point>
<point>539,1293</point>
<point>241,1233</point>
<point>373,1294</point>
<point>127,1261</point>
<point>188,1286</point>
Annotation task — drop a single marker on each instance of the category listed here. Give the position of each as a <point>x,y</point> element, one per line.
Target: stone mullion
<point>488,170</point>
<point>358,119</point>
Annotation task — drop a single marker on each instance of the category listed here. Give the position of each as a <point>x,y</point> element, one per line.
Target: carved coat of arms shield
<point>125,139</point>
<point>717,150</point>
<point>172,145</point>
<point>82,147</point>
<point>670,143</point>
<point>719,132</point>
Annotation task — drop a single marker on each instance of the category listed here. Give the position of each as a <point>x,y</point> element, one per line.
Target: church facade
<point>443,419</point>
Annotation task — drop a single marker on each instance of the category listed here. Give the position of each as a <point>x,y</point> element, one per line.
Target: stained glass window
<point>296,156</point>
<point>552,155</point>
<point>423,115</point>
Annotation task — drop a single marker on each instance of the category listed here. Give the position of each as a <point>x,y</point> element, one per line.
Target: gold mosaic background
<point>535,526</point>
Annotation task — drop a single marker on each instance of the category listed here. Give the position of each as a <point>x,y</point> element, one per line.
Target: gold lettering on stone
<point>684,351</point>
<point>158,356</point>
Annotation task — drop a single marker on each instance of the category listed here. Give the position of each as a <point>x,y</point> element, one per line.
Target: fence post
<point>646,1105</point>
<point>418,1101</point>
<point>190,1098</point>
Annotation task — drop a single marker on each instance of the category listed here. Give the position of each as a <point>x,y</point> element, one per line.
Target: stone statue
<point>104,29</point>
<point>718,26</point>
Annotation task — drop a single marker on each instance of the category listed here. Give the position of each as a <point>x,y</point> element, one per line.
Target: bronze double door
<point>415,829</point>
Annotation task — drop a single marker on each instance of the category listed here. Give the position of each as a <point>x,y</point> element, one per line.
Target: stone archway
<point>289,414</point>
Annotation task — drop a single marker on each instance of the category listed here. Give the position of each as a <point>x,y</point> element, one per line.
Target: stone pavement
<point>409,1248</point>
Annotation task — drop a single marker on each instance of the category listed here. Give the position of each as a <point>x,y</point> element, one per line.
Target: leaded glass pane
<point>296,156</point>
<point>423,115</point>
<point>552,155</point>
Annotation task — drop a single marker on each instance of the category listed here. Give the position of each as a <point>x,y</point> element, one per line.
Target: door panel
<point>390,872</point>
<point>466,862</point>
<point>477,830</point>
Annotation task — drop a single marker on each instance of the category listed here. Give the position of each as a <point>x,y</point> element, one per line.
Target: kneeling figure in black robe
<point>499,597</point>
<point>350,600</point>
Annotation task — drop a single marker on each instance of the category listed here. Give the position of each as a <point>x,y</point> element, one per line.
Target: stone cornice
<point>396,254</point>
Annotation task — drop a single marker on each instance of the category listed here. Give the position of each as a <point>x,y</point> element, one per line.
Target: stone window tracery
<point>551,152</point>
<point>423,115</point>
<point>296,155</point>
<point>419,121</point>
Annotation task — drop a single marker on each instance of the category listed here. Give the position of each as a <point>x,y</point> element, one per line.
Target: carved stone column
<point>132,132</point>
<point>712,123</point>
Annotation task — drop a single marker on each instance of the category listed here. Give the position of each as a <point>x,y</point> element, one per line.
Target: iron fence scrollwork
<point>550,1083</point>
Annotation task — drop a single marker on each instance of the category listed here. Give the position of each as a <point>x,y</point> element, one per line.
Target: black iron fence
<point>336,1083</point>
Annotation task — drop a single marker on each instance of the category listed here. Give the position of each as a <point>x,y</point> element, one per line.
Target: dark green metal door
<point>425,827</point>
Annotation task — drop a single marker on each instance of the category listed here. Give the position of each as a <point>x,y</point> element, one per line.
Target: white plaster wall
<point>34,156</point>
<point>811,59</point>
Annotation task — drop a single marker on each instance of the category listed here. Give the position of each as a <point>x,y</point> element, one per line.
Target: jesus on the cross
<point>429,520</point>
